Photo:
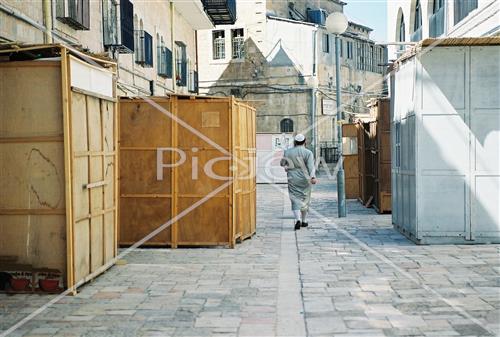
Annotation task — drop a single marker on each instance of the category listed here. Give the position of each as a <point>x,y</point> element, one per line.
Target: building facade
<point>154,42</point>
<point>414,20</point>
<point>279,56</point>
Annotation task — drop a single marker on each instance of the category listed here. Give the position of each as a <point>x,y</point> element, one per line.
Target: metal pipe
<point>314,88</point>
<point>342,210</point>
<point>313,119</point>
<point>174,75</point>
<point>47,18</point>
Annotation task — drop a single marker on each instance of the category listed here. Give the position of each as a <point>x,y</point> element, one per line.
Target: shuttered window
<point>74,13</point>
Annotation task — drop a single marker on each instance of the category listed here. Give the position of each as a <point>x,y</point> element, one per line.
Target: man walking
<point>301,172</point>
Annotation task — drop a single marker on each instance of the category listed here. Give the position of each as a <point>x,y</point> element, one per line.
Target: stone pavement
<point>349,277</point>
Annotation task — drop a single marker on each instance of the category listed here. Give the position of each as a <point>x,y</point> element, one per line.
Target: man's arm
<point>311,168</point>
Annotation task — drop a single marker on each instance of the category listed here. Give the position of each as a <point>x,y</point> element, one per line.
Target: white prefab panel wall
<point>446,105</point>
<point>443,144</point>
<point>91,79</point>
<point>403,163</point>
<point>485,134</point>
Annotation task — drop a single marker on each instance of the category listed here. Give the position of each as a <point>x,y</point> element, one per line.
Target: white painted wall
<point>251,16</point>
<point>485,20</point>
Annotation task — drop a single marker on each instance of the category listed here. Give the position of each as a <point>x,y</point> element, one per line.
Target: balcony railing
<point>417,35</point>
<point>221,12</point>
<point>436,23</point>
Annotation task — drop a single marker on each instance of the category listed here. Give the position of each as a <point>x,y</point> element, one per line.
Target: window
<point>180,64</point>
<point>436,20</point>
<point>238,43</point>
<point>286,125</point>
<point>164,64</point>
<point>463,8</point>
<point>118,25</point>
<point>418,16</point>
<point>401,33</point>
<point>417,24</point>
<point>349,50</point>
<point>219,45</point>
<point>74,13</point>
<point>437,5</point>
<point>326,43</point>
<point>144,48</point>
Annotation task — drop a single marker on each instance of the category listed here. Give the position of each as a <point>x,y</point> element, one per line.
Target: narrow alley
<point>355,276</point>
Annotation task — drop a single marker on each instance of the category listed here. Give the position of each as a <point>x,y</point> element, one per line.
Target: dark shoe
<point>297,225</point>
<point>305,224</point>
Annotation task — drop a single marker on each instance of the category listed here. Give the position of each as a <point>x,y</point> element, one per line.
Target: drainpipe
<point>313,99</point>
<point>174,75</point>
<point>47,18</point>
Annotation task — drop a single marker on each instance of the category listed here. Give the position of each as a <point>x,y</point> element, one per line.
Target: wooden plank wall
<point>351,166</point>
<point>32,197</point>
<point>209,133</point>
<point>210,222</point>
<point>58,159</point>
<point>93,176</point>
<point>366,164</point>
<point>145,201</point>
<point>382,183</point>
<point>245,180</point>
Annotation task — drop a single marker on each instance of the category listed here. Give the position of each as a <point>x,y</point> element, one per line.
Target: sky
<point>371,13</point>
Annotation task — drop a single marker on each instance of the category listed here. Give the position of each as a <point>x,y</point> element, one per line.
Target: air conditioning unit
<point>317,16</point>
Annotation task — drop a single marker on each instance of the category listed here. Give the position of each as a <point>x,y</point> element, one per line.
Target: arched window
<point>437,5</point>
<point>417,22</point>
<point>401,34</point>
<point>286,125</point>
<point>436,18</point>
<point>418,16</point>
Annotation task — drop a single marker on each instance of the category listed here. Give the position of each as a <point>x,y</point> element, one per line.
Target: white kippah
<point>300,137</point>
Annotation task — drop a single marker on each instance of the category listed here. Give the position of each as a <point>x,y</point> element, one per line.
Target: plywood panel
<point>31,176</point>
<point>351,176</point>
<point>38,240</point>
<point>81,243</point>
<point>38,114</point>
<point>141,216</point>
<point>96,243</point>
<point>206,224</point>
<point>109,236</point>
<point>192,132</point>
<point>142,124</point>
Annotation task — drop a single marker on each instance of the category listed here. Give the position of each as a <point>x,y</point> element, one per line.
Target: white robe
<point>299,163</point>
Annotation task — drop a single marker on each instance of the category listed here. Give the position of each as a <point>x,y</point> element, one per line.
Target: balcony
<point>436,23</point>
<point>221,12</point>
<point>417,35</point>
<point>193,12</point>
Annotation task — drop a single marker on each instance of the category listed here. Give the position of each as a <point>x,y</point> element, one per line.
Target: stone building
<point>279,55</point>
<point>154,42</point>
